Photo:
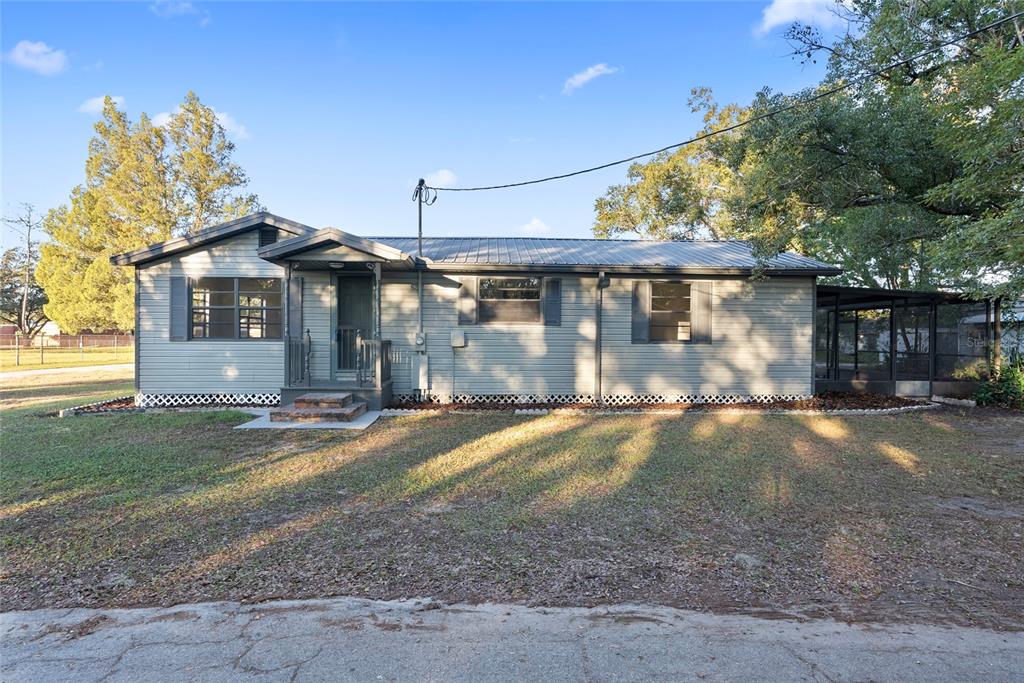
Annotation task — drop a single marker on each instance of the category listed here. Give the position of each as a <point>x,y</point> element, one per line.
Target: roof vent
<point>267,236</point>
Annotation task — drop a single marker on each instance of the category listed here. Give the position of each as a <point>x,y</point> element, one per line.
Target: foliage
<point>201,169</point>
<point>911,179</point>
<point>13,265</point>
<point>21,297</point>
<point>1006,390</point>
<point>143,184</point>
<point>678,194</point>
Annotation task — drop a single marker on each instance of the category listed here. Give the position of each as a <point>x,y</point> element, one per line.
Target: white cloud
<point>162,119</point>
<point>232,126</point>
<point>820,13</point>
<point>94,105</point>
<point>534,227</point>
<point>441,178</point>
<point>38,57</point>
<point>171,9</point>
<point>577,81</point>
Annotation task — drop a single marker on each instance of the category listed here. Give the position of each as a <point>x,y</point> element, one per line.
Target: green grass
<point>29,359</point>
<point>178,507</point>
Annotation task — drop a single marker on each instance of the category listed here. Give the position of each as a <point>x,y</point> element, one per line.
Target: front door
<point>355,319</point>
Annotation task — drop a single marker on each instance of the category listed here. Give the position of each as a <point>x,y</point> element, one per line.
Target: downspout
<point>602,282</point>
<point>814,333</point>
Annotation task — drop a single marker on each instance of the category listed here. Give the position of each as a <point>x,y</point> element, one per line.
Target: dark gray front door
<point>355,317</point>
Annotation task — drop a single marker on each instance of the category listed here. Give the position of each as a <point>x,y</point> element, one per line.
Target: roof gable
<point>333,244</point>
<point>208,236</point>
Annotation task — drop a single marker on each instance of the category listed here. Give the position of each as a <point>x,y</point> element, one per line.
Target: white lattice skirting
<point>173,400</point>
<point>613,400</point>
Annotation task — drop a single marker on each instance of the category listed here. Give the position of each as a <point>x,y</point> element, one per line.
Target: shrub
<point>1007,390</point>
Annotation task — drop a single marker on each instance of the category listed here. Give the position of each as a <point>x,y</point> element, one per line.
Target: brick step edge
<point>292,414</point>
<point>335,400</point>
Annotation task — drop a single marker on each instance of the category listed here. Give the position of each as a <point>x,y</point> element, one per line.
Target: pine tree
<point>143,184</point>
<point>202,171</point>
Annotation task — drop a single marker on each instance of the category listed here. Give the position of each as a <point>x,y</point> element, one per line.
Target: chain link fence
<point>65,349</point>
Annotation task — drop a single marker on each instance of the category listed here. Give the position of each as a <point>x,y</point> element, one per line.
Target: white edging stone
<point>966,402</point>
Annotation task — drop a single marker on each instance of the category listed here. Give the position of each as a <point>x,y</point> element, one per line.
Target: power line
<point>727,129</point>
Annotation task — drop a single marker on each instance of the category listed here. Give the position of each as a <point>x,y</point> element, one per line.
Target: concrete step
<point>324,400</point>
<point>292,413</point>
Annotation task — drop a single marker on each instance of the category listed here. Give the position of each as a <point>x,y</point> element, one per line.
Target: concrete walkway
<point>350,639</point>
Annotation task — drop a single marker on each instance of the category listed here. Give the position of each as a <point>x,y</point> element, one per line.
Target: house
<point>263,309</point>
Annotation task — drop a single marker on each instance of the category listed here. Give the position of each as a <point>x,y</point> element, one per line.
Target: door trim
<point>335,276</point>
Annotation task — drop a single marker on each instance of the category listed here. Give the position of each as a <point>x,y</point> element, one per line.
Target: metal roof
<point>533,251</point>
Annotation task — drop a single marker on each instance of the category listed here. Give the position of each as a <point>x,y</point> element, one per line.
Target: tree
<point>914,178</point>
<point>678,194</point>
<point>143,184</point>
<point>202,171</point>
<point>21,297</point>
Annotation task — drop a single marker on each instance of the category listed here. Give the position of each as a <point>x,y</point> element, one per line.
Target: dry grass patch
<point>852,516</point>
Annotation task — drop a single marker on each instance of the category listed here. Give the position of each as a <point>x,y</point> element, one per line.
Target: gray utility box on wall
<point>458,339</point>
<point>420,372</point>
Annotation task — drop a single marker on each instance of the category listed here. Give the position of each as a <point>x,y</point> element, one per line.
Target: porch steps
<point>326,407</point>
<point>324,400</point>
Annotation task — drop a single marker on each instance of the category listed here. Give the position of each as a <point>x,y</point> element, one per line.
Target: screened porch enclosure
<point>907,343</point>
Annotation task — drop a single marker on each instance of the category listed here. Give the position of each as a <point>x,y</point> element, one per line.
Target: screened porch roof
<point>871,297</point>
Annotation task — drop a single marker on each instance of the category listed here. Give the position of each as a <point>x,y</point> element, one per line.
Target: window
<point>670,312</point>
<point>236,308</point>
<point>514,300</point>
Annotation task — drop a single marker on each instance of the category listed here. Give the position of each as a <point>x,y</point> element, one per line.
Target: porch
<point>369,380</point>
<point>901,342</point>
<point>333,337</point>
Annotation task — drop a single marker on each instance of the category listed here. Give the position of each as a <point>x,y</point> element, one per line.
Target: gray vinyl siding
<point>761,344</point>
<point>499,358</point>
<point>762,338</point>
<point>204,367</point>
<point>317,301</point>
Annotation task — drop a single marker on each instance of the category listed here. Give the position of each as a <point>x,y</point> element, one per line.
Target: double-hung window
<point>670,312</point>
<point>510,299</point>
<point>236,308</point>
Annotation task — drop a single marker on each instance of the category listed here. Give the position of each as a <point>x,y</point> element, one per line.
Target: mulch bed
<point>831,400</point>
<point>127,403</point>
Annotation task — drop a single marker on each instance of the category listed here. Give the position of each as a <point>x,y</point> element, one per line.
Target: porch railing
<point>373,361</point>
<point>299,350</point>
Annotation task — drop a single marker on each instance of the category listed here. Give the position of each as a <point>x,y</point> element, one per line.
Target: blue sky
<point>336,108</point>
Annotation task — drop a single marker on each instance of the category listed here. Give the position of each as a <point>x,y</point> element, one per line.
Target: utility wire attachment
<point>422,195</point>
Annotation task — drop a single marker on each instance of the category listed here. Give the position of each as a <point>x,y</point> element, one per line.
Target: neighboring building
<point>262,309</point>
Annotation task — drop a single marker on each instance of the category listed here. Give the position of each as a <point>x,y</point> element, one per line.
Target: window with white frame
<point>670,312</point>
<point>509,299</point>
<point>236,308</point>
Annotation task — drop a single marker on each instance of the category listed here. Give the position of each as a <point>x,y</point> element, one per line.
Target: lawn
<point>28,359</point>
<point>910,517</point>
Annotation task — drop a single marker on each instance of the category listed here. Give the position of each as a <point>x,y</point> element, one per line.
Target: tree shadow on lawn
<point>553,509</point>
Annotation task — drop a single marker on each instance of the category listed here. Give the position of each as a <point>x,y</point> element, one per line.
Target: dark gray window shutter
<point>700,312</point>
<point>179,308</point>
<point>467,300</point>
<point>641,311</point>
<point>295,307</point>
<point>552,301</point>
